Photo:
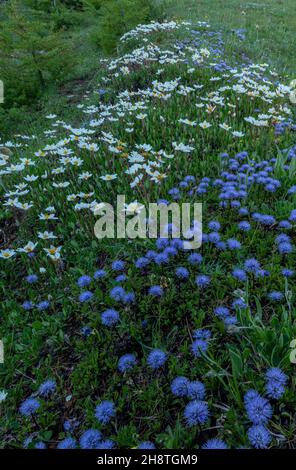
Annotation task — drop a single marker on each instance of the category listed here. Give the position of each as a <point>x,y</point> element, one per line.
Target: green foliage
<point>51,5</point>
<point>32,56</point>
<point>92,5</point>
<point>64,18</point>
<point>75,4</point>
<point>40,5</point>
<point>117,17</point>
<point>59,14</point>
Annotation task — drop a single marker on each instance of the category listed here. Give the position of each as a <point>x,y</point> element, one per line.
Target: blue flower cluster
<point>259,409</point>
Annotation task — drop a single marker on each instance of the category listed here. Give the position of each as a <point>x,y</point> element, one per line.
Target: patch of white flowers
<point>82,159</point>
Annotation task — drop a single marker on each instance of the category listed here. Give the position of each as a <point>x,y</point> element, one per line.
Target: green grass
<point>270,27</point>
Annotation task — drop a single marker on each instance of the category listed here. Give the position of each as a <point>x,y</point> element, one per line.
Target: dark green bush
<point>51,5</point>
<point>32,56</point>
<point>92,5</point>
<point>64,18</point>
<point>116,18</point>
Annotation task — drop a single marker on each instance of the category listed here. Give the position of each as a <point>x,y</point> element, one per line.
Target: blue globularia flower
<point>142,262</point>
<point>233,244</point>
<point>259,410</point>
<point>259,437</point>
<point>195,258</point>
<point>204,334</point>
<point>47,388</point>
<point>182,273</point>
<point>40,445</point>
<point>105,411</point>
<point>146,445</point>
<point>70,424</point>
<point>196,412</point>
<point>161,258</point>
<point>275,383</point>
<point>27,305</point>
<point>156,359</point>
<point>222,312</point>
<point>129,298</point>
<point>288,272</point>
<point>285,248</point>
<point>126,362</point>
<point>239,303</point>
<point>32,278</point>
<point>252,265</point>
<point>110,317</point>
<point>162,243</point>
<point>29,407</point>
<point>85,296</point>
<point>83,281</point>
<point>274,390</point>
<point>199,346</point>
<point>244,226</point>
<point>214,237</point>
<point>292,217</point>
<point>68,443</point>
<point>277,375</point>
<point>179,386</point>
<point>100,274</point>
<point>117,293</point>
<point>214,444</point>
<point>214,225</point>
<point>230,321</point>
<point>196,390</point>
<point>250,395</point>
<point>202,281</point>
<point>240,274</point>
<point>118,265</point>
<point>275,296</point>
<point>155,291</point>
<point>90,439</point>
<point>106,444</point>
<point>43,305</point>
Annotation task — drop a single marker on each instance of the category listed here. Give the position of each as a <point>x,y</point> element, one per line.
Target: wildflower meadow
<point>139,342</point>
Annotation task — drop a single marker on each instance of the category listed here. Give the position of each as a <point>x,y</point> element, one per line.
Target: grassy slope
<point>270,27</point>
<point>270,37</point>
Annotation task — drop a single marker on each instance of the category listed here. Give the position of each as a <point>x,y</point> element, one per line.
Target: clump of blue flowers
<point>105,411</point>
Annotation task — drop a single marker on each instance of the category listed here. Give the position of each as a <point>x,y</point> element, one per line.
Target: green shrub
<point>51,5</point>
<point>32,56</point>
<point>39,5</point>
<point>59,14</point>
<point>10,119</point>
<point>64,18</point>
<point>116,18</point>
<point>92,5</point>
<point>74,4</point>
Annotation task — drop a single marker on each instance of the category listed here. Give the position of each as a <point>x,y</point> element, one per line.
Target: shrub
<point>50,5</point>
<point>117,17</point>
<point>92,5</point>
<point>32,55</point>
